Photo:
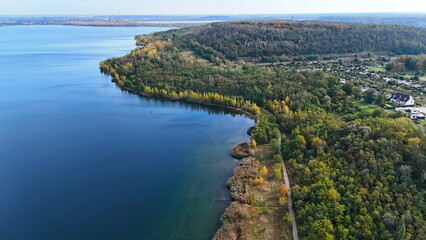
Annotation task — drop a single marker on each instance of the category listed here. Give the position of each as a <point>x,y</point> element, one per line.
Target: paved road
<point>290,200</point>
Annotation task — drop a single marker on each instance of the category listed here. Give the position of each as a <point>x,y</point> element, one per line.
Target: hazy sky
<point>147,7</point>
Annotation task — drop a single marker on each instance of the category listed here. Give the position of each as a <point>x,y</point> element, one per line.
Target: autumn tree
<point>283,189</point>
<point>253,143</point>
<point>264,171</point>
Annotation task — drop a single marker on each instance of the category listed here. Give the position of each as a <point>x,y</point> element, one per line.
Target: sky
<point>164,7</point>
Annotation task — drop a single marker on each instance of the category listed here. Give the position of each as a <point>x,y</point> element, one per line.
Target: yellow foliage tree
<point>255,108</point>
<point>151,53</point>
<point>287,100</point>
<point>286,110</point>
<point>264,171</point>
<point>316,142</point>
<point>301,140</point>
<point>259,180</point>
<point>253,143</point>
<point>333,195</point>
<point>414,143</point>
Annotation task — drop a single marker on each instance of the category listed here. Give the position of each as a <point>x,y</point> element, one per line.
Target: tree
<point>283,189</point>
<point>317,142</point>
<point>398,67</point>
<point>369,96</point>
<point>356,92</point>
<point>278,171</point>
<point>389,66</point>
<point>264,171</point>
<point>389,220</point>
<point>301,140</point>
<point>379,112</point>
<point>259,180</point>
<point>401,233</point>
<point>275,146</point>
<point>253,143</point>
<point>333,195</point>
<point>380,99</point>
<point>347,87</point>
<point>321,230</point>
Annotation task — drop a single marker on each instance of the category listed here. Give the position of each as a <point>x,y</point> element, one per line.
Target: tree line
<point>408,63</point>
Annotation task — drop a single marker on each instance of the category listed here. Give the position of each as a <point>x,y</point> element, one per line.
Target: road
<point>290,200</point>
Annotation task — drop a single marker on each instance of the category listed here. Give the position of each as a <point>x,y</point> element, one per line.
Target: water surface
<point>80,159</point>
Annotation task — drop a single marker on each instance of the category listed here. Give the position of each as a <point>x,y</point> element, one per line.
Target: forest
<point>356,175</point>
<point>255,39</point>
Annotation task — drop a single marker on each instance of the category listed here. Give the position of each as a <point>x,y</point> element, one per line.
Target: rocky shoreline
<point>231,224</point>
<point>255,209</point>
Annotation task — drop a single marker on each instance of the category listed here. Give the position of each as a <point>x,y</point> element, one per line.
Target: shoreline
<point>233,109</point>
<point>254,208</point>
<point>257,209</point>
<point>109,24</point>
<point>233,182</point>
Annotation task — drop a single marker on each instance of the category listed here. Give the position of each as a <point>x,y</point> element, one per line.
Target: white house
<point>402,99</point>
<point>418,116</point>
<point>413,113</point>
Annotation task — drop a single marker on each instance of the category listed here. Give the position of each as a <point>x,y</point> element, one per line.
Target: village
<point>402,91</point>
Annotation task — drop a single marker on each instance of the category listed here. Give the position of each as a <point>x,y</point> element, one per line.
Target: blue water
<point>182,21</point>
<point>80,159</point>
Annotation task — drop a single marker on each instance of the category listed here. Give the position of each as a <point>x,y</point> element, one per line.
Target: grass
<point>423,122</point>
<point>406,76</point>
<point>409,76</point>
<point>364,106</point>
<point>377,69</point>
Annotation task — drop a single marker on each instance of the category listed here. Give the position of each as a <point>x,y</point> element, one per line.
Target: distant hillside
<point>235,40</point>
<point>418,20</point>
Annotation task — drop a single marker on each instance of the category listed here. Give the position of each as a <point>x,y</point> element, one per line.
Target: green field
<point>405,75</point>
<point>409,76</point>
<point>423,122</point>
<point>377,69</point>
<point>364,106</point>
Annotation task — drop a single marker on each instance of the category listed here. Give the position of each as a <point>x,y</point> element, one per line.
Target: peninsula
<point>354,174</point>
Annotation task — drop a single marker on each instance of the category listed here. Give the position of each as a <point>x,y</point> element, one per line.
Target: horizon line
<point>213,14</point>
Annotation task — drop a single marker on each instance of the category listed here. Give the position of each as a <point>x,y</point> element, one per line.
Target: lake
<point>81,159</point>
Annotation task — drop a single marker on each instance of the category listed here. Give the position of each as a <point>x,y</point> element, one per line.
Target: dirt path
<point>290,200</point>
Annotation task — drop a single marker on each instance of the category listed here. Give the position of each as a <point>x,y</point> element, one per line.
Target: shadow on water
<point>211,110</point>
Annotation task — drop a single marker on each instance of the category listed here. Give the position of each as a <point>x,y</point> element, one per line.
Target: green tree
<point>347,87</point>
<point>356,92</point>
<point>321,230</point>
<point>369,96</point>
<point>380,99</point>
